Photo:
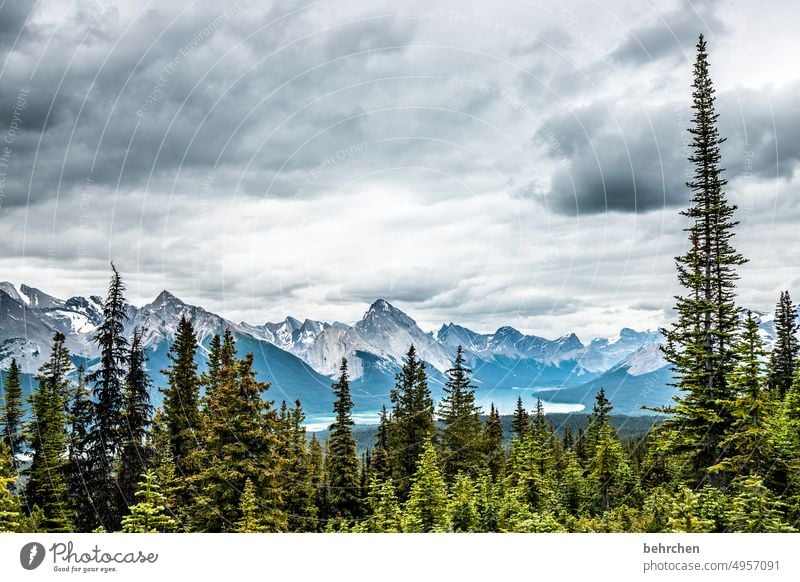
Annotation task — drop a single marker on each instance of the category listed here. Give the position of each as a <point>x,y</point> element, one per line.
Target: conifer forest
<point>88,451</point>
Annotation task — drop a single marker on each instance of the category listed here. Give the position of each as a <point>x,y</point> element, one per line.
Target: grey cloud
<point>672,34</point>
<point>632,165</point>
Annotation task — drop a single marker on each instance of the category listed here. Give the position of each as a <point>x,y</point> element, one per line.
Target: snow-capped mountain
<point>384,331</point>
<point>300,356</point>
<point>291,334</point>
<point>601,354</point>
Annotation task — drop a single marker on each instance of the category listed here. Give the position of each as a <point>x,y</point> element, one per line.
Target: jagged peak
<point>507,330</point>
<point>166,298</point>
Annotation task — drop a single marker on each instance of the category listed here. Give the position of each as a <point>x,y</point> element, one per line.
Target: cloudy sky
<point>519,165</point>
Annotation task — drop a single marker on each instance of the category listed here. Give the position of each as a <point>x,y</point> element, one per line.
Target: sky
<point>522,164</point>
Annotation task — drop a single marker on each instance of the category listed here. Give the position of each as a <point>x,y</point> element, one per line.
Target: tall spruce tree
<point>381,467</point>
<point>301,509</point>
<point>11,414</point>
<point>426,509</point>
<point>699,345</point>
<point>342,462</point>
<point>10,516</point>
<point>149,514</point>
<point>783,359</point>
<point>494,449</point>
<point>109,385</point>
<point>239,435</point>
<point>47,474</point>
<point>80,419</point>
<point>521,422</point>
<point>412,420</point>
<point>182,401</point>
<point>460,440</point>
<point>136,416</point>
<point>748,440</point>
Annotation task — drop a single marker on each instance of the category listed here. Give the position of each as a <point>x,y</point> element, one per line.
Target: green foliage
<point>136,415</point>
<point>239,441</point>
<point>107,433</point>
<point>426,508</point>
<point>79,478</point>
<point>149,514</point>
<point>683,516</point>
<point>748,439</point>
<point>460,439</point>
<point>462,507</point>
<point>521,423</point>
<point>381,465</point>
<point>250,521</point>
<point>298,476</point>
<point>493,448</point>
<point>9,503</point>
<point>412,422</point>
<point>181,402</point>
<point>11,414</point>
<point>755,508</point>
<point>383,507</point>
<point>699,344</point>
<point>342,461</point>
<point>783,359</point>
<point>47,434</point>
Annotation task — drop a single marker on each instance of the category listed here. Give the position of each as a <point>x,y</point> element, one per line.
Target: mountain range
<point>299,357</point>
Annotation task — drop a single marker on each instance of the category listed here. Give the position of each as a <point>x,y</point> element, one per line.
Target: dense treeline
<point>93,455</point>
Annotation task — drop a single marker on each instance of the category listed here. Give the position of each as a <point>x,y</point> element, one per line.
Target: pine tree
<point>136,417</point>
<point>494,450</point>
<point>748,439</point>
<point>181,402</point>
<point>385,515</point>
<point>298,475</point>
<point>318,481</point>
<point>163,465</point>
<point>520,425</point>
<point>460,439</point>
<point>214,362</point>
<point>568,441</point>
<point>11,414</point>
<point>609,470</point>
<point>601,411</point>
<point>381,466</point>
<point>109,383</point>
<point>574,491</point>
<point>783,359</point>
<point>487,502</point>
<point>412,420</point>
<point>684,516</point>
<point>699,344</point>
<point>80,419</point>
<point>755,508</point>
<point>462,507</point>
<point>426,509</point>
<point>9,503</point>
<point>47,475</point>
<point>149,514</point>
<point>239,435</point>
<point>249,522</point>
<point>342,461</point>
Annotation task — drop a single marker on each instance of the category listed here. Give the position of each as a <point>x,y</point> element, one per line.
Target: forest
<point>88,452</point>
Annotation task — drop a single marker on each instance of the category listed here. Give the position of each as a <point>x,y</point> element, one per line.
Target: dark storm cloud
<point>632,165</point>
<point>632,159</point>
<point>13,20</point>
<point>762,127</point>
<point>160,101</point>
<point>672,34</point>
